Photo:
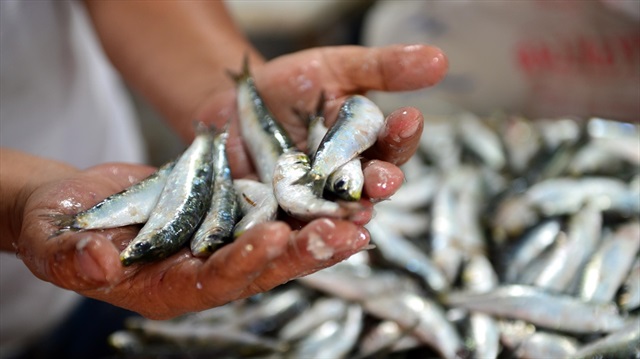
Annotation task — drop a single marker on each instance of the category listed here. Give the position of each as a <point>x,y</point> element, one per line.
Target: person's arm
<point>174,53</point>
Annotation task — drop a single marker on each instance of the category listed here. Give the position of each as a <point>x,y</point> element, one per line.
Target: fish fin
<point>316,183</point>
<point>244,73</point>
<point>63,221</point>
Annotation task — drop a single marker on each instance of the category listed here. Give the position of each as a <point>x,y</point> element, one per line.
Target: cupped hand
<point>265,256</point>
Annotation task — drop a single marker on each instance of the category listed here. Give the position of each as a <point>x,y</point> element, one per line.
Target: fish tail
<point>63,221</point>
<point>314,181</point>
<point>244,73</point>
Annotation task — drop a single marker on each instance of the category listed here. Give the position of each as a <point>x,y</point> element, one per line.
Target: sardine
<point>629,297</point>
<point>481,140</point>
<point>356,129</point>
<point>264,137</point>
<point>527,342</point>
<point>347,181</point>
<point>621,344</point>
<point>425,316</point>
<point>299,200</point>
<point>530,246</point>
<point>322,310</point>
<point>129,206</point>
<point>566,258</point>
<point>555,311</point>
<point>216,229</point>
<point>406,255</point>
<point>257,204</point>
<point>182,204</point>
<point>608,267</point>
<point>387,336</point>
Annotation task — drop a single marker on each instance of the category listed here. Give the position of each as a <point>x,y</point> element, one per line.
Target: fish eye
<point>341,185</point>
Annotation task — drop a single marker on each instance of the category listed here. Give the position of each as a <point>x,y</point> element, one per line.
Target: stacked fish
<point>194,198</point>
<point>510,239</point>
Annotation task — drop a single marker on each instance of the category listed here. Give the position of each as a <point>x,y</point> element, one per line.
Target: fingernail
<point>409,129</point>
<point>86,264</point>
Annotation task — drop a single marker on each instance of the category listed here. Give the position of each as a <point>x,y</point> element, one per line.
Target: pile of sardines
<point>511,238</point>
<point>194,198</point>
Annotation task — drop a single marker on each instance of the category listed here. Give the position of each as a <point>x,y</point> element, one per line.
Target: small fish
<point>299,200</point>
<point>527,342</point>
<point>130,206</point>
<point>337,343</point>
<point>347,181</point>
<point>322,310</point>
<point>426,316</point>
<point>566,258</point>
<point>629,297</point>
<point>539,307</point>
<point>622,344</point>
<point>385,337</point>
<point>216,228</point>
<point>607,269</point>
<point>530,246</point>
<point>356,129</point>
<point>481,140</point>
<point>264,137</point>
<point>257,204</point>
<point>181,207</point>
<point>404,254</point>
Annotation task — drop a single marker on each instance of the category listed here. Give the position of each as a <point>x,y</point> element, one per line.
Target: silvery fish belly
<point>257,204</point>
<point>299,200</point>
<point>263,136</point>
<point>347,181</point>
<point>357,127</point>
<point>130,206</point>
<point>216,228</point>
<point>182,204</point>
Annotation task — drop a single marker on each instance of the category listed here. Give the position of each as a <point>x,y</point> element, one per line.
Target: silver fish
<point>608,267</point>
<point>622,344</point>
<point>387,336</point>
<point>129,206</point>
<point>299,200</point>
<point>566,258</point>
<point>629,297</point>
<point>535,305</point>
<point>425,316</point>
<point>264,137</point>
<point>322,310</point>
<point>346,181</point>
<point>406,255</point>
<point>530,246</point>
<point>481,140</point>
<point>182,204</point>
<point>257,204</point>
<point>216,229</point>
<point>356,129</point>
<point>527,342</point>
<point>345,338</point>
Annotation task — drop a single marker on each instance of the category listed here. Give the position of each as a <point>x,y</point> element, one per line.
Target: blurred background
<point>275,28</point>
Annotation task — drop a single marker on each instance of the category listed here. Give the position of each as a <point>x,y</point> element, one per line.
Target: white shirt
<point>60,99</point>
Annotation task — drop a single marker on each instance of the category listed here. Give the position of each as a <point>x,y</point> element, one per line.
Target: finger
<point>233,268</point>
<point>76,261</point>
<point>400,137</point>
<point>382,180</point>
<point>390,68</point>
<point>320,244</point>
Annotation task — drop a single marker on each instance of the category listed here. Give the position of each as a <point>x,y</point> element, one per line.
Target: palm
<point>262,258</point>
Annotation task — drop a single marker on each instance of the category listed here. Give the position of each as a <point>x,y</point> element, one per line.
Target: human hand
<point>89,262</point>
<point>265,256</point>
